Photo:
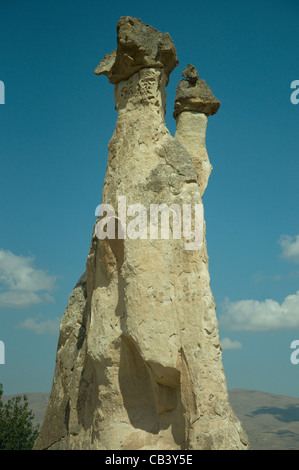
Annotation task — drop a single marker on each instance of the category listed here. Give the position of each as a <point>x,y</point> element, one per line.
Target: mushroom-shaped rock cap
<point>138,46</point>
<point>194,94</point>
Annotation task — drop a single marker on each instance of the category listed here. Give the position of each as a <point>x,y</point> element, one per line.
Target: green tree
<point>17,431</point>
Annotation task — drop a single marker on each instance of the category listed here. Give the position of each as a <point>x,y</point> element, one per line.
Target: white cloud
<point>290,247</point>
<point>21,284</point>
<point>227,343</point>
<point>259,277</point>
<point>267,315</point>
<point>40,327</point>
<point>17,299</point>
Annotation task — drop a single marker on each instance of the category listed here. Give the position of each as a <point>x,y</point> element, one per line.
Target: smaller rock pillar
<point>193,104</point>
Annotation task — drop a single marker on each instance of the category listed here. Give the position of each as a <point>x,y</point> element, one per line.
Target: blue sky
<point>55,125</point>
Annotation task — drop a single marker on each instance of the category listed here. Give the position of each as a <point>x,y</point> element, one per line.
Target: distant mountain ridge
<point>271,421</point>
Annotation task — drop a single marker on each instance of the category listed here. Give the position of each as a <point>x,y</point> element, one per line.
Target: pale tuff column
<point>212,422</point>
<point>191,129</point>
<point>138,362</point>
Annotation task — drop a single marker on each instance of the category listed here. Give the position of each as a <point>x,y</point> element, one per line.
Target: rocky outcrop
<point>194,94</point>
<point>194,102</point>
<point>138,362</point>
<point>138,46</point>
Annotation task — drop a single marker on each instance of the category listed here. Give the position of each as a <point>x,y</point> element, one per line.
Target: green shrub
<point>16,427</point>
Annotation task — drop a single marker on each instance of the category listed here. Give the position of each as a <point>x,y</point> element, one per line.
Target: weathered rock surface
<point>138,46</point>
<point>194,94</point>
<point>138,362</point>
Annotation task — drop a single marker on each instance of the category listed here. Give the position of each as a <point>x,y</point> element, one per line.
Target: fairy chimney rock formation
<point>194,102</point>
<point>138,362</point>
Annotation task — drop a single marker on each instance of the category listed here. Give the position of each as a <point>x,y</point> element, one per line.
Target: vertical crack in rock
<point>138,363</point>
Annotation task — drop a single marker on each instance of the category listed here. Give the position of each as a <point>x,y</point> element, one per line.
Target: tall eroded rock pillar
<point>138,361</point>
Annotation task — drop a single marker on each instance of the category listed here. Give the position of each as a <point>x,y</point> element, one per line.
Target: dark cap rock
<point>193,94</point>
<point>138,46</point>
